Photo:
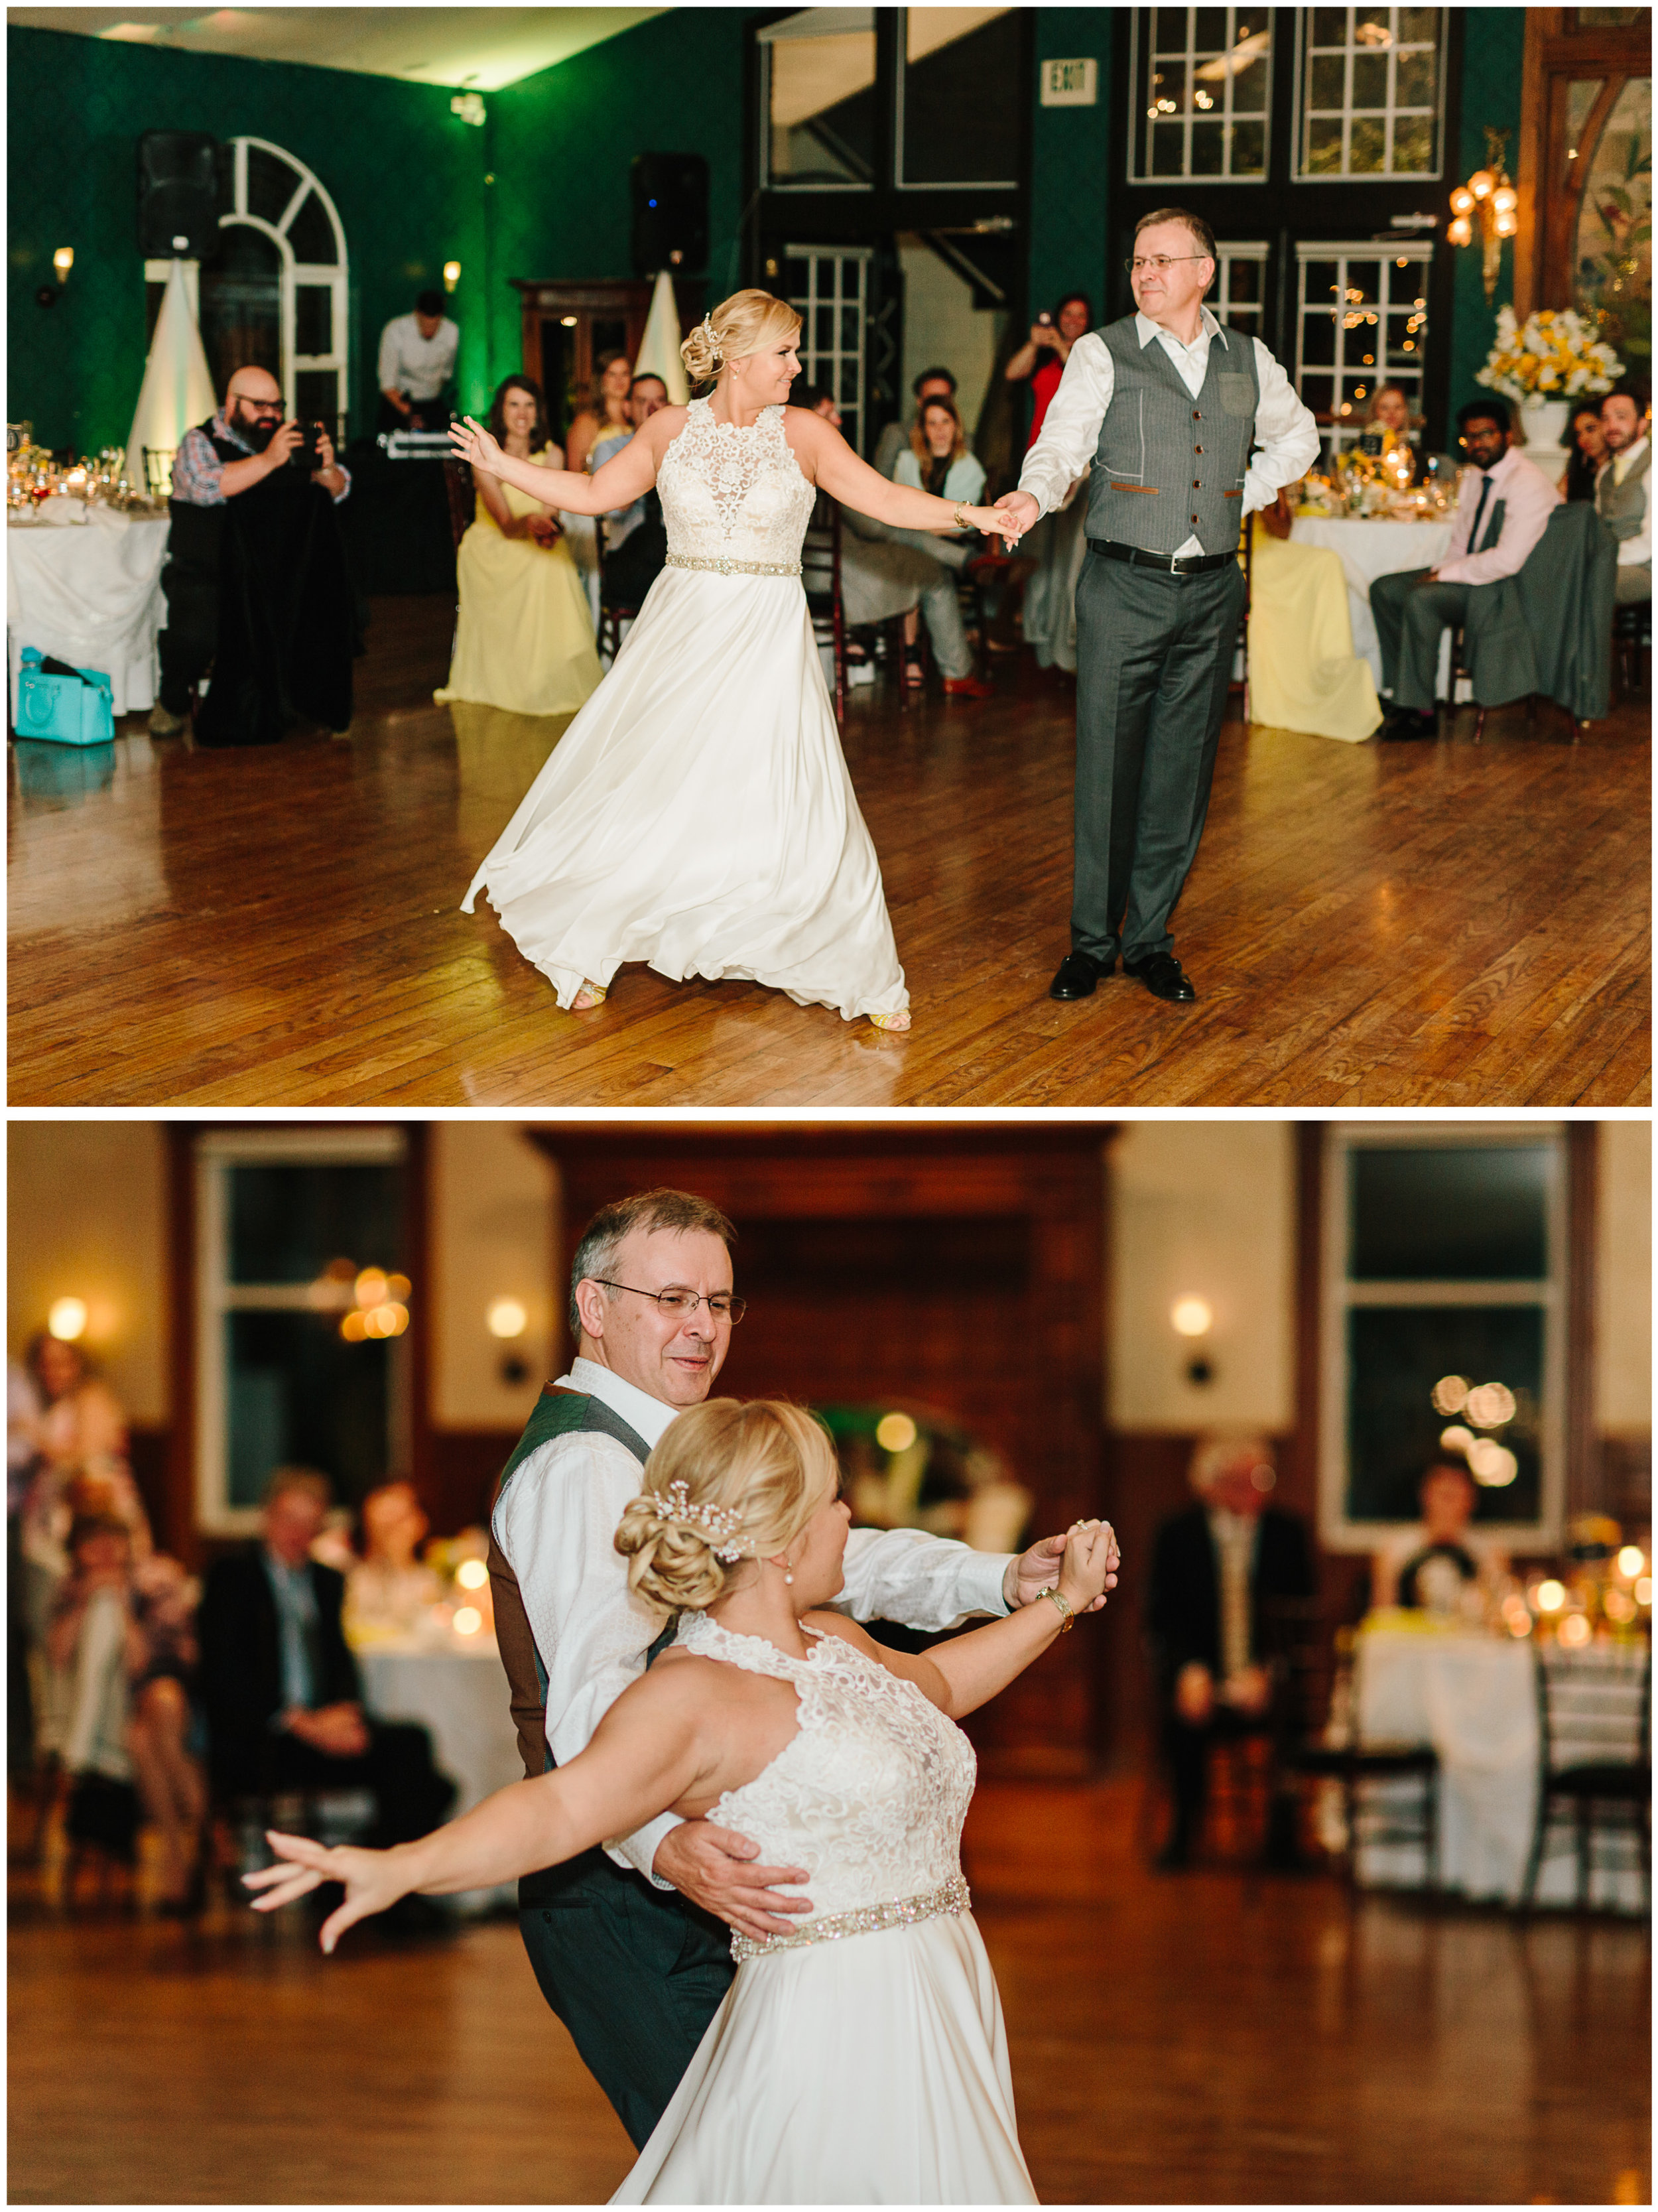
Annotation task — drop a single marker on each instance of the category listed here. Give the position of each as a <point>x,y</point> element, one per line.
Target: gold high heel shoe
<point>589,996</point>
<point>897,1023</point>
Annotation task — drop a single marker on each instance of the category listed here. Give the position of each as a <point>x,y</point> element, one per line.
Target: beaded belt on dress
<point>722,568</point>
<point>900,1912</point>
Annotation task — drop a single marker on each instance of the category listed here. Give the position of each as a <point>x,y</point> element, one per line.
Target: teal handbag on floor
<point>66,706</point>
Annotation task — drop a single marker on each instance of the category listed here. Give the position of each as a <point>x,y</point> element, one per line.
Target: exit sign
<point>1070,84</point>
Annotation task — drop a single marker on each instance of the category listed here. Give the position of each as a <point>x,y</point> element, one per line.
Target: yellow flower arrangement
<point>1555,356</point>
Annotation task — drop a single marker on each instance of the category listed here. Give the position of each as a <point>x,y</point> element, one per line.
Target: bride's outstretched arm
<point>831,462</point>
<point>626,476</point>
<point>968,1670</point>
<point>646,1755</point>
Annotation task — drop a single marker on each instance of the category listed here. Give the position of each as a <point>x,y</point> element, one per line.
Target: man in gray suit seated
<point>1164,391</point>
<point>1623,490</point>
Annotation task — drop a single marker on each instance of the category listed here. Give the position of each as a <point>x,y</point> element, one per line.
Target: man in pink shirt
<point>1502,511</point>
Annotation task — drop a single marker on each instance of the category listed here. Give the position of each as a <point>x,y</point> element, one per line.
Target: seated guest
<point>881,576</point>
<point>1304,672</point>
<point>609,414</point>
<point>938,461</point>
<point>1589,450</point>
<point>389,1592</point>
<point>930,384</point>
<point>416,363</point>
<point>279,1685</point>
<point>1502,511</point>
<point>256,582</point>
<point>1622,494</point>
<point>1386,427</point>
<point>636,537</point>
<point>164,1598</point>
<point>1432,1566</point>
<point>1044,353</point>
<point>1216,1568</point>
<point>523,640</point>
<point>92,1652</point>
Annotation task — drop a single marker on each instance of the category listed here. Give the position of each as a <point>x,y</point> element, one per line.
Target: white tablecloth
<point>89,590</point>
<point>1369,550</point>
<point>461,1696</point>
<point>1474,1698</point>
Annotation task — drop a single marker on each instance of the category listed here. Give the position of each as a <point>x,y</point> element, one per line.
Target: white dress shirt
<point>1633,551</point>
<point>1288,434</point>
<point>418,367</point>
<point>1529,499</point>
<point>1235,1537</point>
<point>558,1531</point>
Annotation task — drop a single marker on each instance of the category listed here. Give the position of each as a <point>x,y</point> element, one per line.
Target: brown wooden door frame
<point>1551,187</point>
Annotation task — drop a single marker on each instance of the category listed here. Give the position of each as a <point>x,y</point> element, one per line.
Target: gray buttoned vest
<point>1622,507</point>
<point>1171,467</point>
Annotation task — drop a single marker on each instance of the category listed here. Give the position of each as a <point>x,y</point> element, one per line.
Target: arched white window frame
<point>295,273</point>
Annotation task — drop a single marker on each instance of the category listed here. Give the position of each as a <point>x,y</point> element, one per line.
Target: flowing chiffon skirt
<point>698,814</point>
<point>872,2071</point>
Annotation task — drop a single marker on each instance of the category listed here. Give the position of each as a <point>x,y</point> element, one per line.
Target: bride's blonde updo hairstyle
<point>729,1482</point>
<point>746,323</point>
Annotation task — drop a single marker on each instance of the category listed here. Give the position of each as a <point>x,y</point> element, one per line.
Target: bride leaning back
<point>697,814</point>
<point>861,2057</point>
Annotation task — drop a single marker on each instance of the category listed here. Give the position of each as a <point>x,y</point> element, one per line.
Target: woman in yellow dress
<point>524,641</point>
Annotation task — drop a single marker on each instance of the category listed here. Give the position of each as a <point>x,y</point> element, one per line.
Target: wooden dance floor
<point>1212,2038</point>
<point>1429,926</point>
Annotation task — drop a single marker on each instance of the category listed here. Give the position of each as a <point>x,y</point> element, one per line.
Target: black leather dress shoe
<point>1411,722</point>
<point>1077,975</point>
<point>1163,976</point>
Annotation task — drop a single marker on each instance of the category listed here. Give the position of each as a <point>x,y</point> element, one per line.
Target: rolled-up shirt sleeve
<point>1287,432</point>
<point>1071,429</point>
<point>196,470</point>
<point>556,1522</point>
<point>929,1583</point>
<point>1529,499</point>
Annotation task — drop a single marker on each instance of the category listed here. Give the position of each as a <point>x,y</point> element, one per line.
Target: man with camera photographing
<point>256,581</point>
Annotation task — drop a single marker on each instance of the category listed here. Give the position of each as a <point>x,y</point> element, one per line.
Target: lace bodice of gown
<point>732,493</point>
<point>869,1797</point>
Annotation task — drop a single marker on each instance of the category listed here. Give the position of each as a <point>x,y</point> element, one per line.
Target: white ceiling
<point>480,48</point>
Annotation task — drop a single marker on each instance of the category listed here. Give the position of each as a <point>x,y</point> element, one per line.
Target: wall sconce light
<point>1489,197</point>
<point>507,1319</point>
<point>67,1320</point>
<point>1193,1318</point>
<point>63,261</point>
<point>469,105</point>
<point>451,274</point>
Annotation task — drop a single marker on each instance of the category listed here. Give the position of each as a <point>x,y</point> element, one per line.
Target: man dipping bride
<point>637,1970</point>
<point>697,814</point>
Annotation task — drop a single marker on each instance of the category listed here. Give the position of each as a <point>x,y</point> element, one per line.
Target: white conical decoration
<point>178,387</point>
<point>658,349</point>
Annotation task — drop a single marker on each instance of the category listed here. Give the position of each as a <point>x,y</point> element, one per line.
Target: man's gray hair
<point>1222,1449</point>
<point>1202,237</point>
<point>679,1212</point>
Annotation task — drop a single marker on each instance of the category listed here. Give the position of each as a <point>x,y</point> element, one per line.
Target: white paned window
<point>1202,81</point>
<point>1372,86</point>
<point>817,99</point>
<point>1238,296</point>
<point>1361,320</point>
<point>828,287</point>
<point>1443,1326</point>
<point>284,288</point>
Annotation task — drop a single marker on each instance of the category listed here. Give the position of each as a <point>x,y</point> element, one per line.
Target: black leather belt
<point>1172,564</point>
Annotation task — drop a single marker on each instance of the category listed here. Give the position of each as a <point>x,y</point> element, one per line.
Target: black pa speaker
<point>177,195</point>
<point>671,212</point>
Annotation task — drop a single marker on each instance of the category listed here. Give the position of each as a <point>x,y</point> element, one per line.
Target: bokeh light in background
<point>67,1320</point>
<point>1191,1316</point>
<point>506,1318</point>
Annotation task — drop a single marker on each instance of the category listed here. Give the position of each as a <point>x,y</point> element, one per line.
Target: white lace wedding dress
<point>861,2059</point>
<point>697,813</point>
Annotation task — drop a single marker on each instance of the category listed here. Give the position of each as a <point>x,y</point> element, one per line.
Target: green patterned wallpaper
<point>1493,64</point>
<point>1070,167</point>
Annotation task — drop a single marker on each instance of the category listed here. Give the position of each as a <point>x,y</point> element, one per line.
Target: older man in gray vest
<point>1623,490</point>
<point>1167,404</point>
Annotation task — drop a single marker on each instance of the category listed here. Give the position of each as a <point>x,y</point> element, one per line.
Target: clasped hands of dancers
<point>697,814</point>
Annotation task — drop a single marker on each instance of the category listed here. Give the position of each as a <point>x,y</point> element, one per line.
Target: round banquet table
<point>85,584</point>
<point>1372,549</point>
<point>1474,1698</point>
<point>458,1690</point>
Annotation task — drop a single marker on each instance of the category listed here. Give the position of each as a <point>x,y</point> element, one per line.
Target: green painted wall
<point>1070,165</point>
<point>1493,64</point>
<point>409,179</point>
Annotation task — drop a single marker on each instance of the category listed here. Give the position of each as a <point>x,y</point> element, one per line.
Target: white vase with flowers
<point>1545,363</point>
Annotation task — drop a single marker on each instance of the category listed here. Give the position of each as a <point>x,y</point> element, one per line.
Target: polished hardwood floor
<point>1430,926</point>
<point>1218,2037</point>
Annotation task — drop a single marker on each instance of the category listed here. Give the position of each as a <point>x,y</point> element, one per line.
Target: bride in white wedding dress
<point>697,813</point>
<point>860,2058</point>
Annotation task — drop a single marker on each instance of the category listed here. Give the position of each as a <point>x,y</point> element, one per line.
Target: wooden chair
<point>462,497</point>
<point>158,470</point>
<point>612,610</point>
<point>820,576</point>
<point>1631,638</point>
<point>1328,1748</point>
<point>1595,1758</point>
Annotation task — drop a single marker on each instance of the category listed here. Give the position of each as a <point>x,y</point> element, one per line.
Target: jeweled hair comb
<point>717,1525</point>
